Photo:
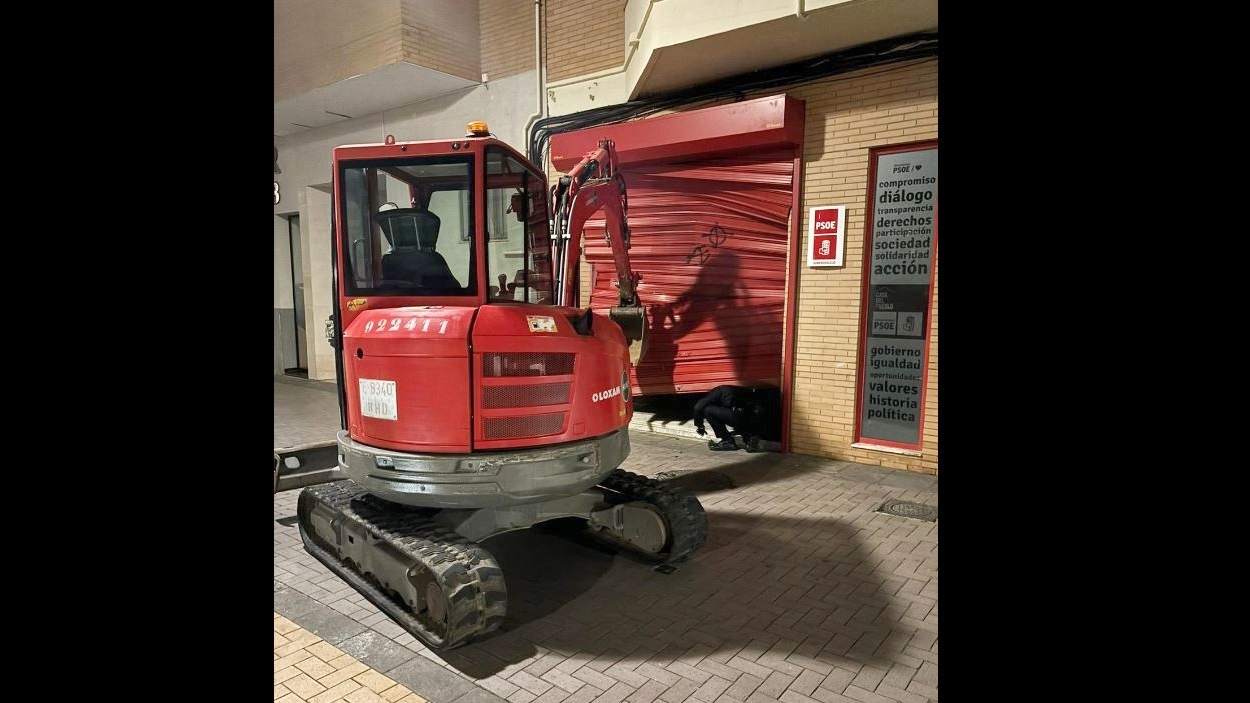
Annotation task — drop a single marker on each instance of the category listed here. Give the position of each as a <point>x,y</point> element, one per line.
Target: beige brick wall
<point>507,31</point>
<point>583,36</point>
<point>318,42</point>
<point>845,116</point>
<point>442,35</point>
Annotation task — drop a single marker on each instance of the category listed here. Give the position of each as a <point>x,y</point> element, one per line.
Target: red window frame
<point>869,209</point>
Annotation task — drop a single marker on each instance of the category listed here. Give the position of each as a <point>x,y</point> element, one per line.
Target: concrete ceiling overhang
<point>383,88</point>
<point>676,44</point>
<point>781,41</point>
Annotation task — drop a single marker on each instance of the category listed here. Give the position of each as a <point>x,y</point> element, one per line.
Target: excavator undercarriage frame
<point>425,567</point>
<point>428,571</point>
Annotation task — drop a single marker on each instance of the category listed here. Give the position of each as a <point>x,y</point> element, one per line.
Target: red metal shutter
<point>709,236</point>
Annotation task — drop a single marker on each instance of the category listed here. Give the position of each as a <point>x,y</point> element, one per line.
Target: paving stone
<point>347,670</point>
<point>364,695</point>
<point>899,694</point>
<point>315,668</point>
<point>304,686</point>
<point>859,694</point>
<point>333,694</point>
<point>529,682</point>
<point>712,689</point>
<point>329,625</point>
<point>838,680</point>
<point>376,650</point>
<point>397,692</point>
<point>868,678</point>
<point>927,675</point>
<point>478,695</point>
<point>806,683</point>
<point>431,681</point>
<point>647,693</point>
<point>374,681</point>
<point>775,684</point>
<point>743,687</point>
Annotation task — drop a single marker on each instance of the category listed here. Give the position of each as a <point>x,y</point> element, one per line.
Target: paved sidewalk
<point>303,411</point>
<point>803,593</point>
<point>307,669</point>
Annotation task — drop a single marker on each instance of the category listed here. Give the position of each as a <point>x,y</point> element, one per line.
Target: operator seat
<point>413,234</point>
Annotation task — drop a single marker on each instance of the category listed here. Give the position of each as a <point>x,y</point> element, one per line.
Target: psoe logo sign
<point>826,228</point>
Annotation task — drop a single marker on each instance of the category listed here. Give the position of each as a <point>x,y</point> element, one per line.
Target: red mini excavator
<point>476,398</point>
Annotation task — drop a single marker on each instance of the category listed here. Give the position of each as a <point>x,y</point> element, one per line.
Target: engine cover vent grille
<point>497,364</point>
<point>522,426</point>
<point>529,395</point>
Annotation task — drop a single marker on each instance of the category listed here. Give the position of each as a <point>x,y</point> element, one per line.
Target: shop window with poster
<point>900,245</point>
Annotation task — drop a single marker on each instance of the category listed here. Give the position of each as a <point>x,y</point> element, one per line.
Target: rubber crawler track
<point>468,575</point>
<point>471,580</point>
<point>680,509</point>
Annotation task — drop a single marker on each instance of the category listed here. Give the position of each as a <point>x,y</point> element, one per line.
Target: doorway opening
<point>300,358</point>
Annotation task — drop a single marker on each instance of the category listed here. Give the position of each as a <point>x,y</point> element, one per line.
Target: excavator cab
<point>469,223</point>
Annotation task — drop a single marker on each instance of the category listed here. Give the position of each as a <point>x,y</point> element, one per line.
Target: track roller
<point>659,521</point>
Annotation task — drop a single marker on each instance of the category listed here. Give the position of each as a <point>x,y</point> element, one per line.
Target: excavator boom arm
<point>592,185</point>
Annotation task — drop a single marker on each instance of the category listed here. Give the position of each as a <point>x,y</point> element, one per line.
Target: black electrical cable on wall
<point>898,52</point>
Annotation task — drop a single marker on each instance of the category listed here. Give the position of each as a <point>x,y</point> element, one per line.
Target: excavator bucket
<point>633,322</point>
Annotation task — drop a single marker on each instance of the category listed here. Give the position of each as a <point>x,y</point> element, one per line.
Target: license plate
<point>377,399</point>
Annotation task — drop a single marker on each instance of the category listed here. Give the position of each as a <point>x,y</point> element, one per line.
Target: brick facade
<point>845,116</point>
<point>583,36</point>
<point>319,42</point>
<point>441,35</point>
<point>507,31</point>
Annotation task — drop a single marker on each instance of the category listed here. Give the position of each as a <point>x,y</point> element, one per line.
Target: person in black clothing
<point>751,412</point>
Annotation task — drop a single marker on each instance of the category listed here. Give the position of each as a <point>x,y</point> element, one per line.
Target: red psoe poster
<point>826,227</point>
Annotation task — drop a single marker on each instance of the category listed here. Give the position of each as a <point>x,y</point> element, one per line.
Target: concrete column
<point>314,215</point>
<point>284,352</point>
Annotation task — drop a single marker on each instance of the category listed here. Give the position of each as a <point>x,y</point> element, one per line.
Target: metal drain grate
<point>904,508</point>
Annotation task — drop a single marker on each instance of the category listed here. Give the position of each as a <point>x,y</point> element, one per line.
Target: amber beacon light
<point>477,129</point>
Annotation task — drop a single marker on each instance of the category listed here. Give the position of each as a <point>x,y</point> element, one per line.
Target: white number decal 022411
<point>396,323</point>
